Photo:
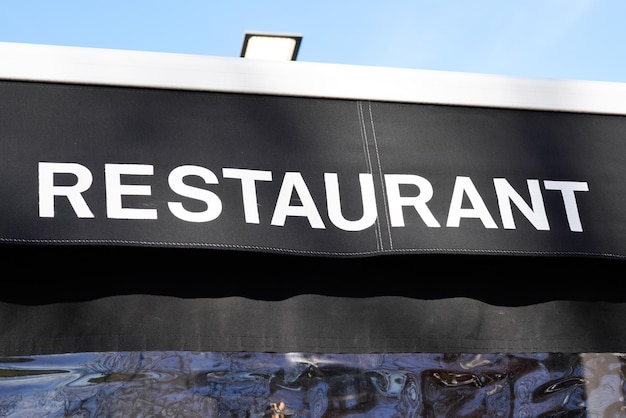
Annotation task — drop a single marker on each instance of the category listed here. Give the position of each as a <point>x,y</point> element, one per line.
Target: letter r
<point>48,191</point>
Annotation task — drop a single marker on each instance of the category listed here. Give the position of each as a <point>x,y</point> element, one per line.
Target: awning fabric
<point>82,298</point>
<point>105,165</point>
<point>181,237</point>
<point>311,323</point>
<point>142,219</point>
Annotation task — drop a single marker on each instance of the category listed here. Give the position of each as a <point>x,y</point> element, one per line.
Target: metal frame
<point>94,66</point>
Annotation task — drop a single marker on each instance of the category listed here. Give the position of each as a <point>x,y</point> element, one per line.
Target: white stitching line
<point>312,252</point>
<point>377,228</point>
<point>380,171</point>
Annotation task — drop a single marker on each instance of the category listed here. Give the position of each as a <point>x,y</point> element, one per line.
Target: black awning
<point>306,176</point>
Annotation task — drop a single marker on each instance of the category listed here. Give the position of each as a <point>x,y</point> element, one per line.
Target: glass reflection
<point>279,385</point>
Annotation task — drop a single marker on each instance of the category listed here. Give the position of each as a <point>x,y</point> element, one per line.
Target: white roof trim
<point>48,63</point>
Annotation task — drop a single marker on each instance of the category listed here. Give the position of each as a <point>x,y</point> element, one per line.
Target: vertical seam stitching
<point>368,159</point>
<point>380,171</point>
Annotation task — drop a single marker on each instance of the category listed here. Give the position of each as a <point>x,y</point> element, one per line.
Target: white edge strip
<point>95,66</point>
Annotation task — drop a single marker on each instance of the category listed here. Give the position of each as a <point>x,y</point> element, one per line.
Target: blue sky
<point>562,39</point>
